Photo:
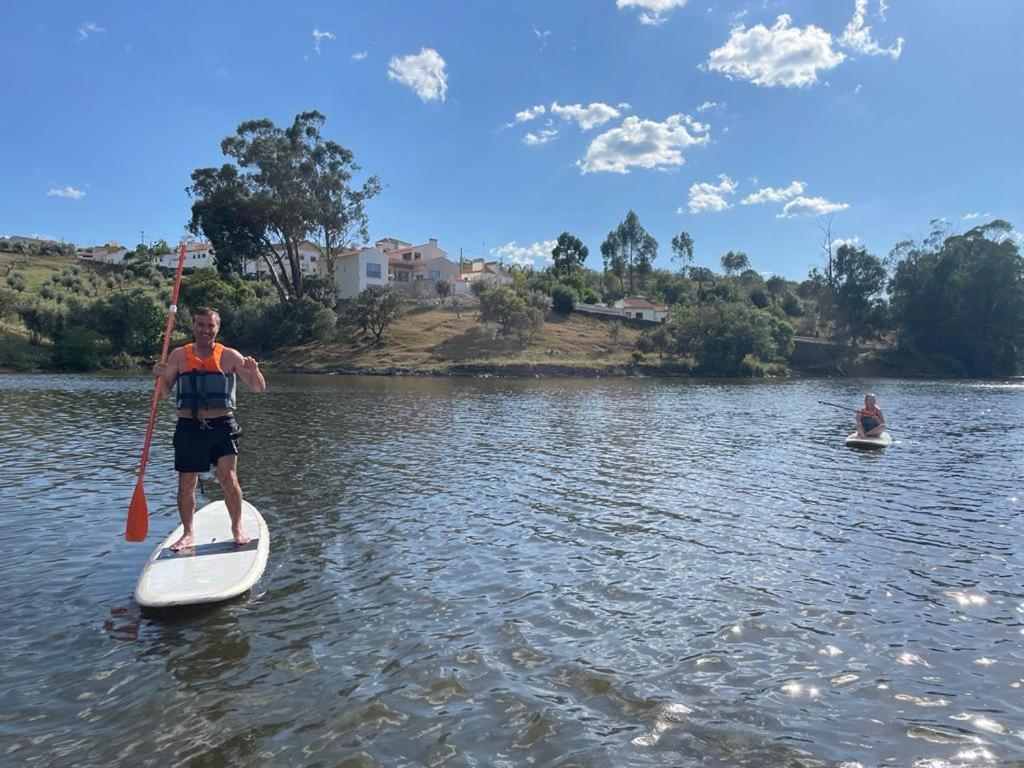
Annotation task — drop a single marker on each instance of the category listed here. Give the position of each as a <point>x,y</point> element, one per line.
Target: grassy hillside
<point>440,340</point>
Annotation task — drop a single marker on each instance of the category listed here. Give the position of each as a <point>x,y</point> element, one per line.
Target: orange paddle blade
<point>138,515</point>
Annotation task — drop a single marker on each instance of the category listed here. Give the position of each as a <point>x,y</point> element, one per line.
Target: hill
<point>440,340</point>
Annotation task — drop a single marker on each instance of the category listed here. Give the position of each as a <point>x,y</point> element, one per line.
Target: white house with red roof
<point>639,308</point>
<point>197,256</point>
<point>409,263</point>
<point>478,269</point>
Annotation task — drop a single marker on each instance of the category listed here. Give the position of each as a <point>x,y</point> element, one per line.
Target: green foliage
<point>265,324</point>
<point>682,248</point>
<point>376,308</point>
<point>444,290</point>
<point>284,186</point>
<point>577,282</point>
<point>962,298</point>
<point>8,304</point>
<point>80,349</point>
<point>563,299</point>
<point>510,312</point>
<point>791,305</point>
<point>759,298</point>
<point>735,262</point>
<point>42,319</point>
<point>629,250</point>
<point>132,322</point>
<point>568,254</point>
<point>720,335</point>
<point>17,281</point>
<point>851,297</point>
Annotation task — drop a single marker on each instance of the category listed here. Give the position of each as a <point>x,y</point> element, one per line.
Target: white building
<point>478,269</point>
<point>357,269</point>
<point>641,309</point>
<point>410,263</point>
<point>111,253</point>
<point>197,256</point>
<point>309,261</point>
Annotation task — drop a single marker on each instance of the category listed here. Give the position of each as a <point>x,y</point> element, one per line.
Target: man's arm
<point>232,361</point>
<point>168,372</point>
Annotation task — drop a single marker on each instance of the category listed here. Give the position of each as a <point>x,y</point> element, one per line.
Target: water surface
<point>545,573</point>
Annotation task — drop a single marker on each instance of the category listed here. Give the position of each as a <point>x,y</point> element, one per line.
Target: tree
<point>776,287</point>
<point>376,308</point>
<point>510,312</point>
<point>682,247</point>
<point>735,262</point>
<point>852,301</point>
<point>569,254</point>
<point>614,263</point>
<point>720,335</point>
<point>285,186</point>
<point>444,290</point>
<point>962,299</point>
<point>631,250</point>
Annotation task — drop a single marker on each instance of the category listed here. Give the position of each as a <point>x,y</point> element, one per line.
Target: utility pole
<point>142,236</point>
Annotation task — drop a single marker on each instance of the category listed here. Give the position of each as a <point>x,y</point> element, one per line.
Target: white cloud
<point>857,34</point>
<point>70,192</point>
<point>810,206</point>
<point>542,35</point>
<point>705,196</point>
<point>710,105</point>
<point>89,28</point>
<point>319,35</point>
<point>525,255</point>
<point>543,136</point>
<point>783,55</point>
<point>977,215</point>
<point>590,116</point>
<point>773,195</point>
<point>423,72</point>
<point>839,241</point>
<point>858,89</point>
<point>360,55</point>
<point>529,113</point>
<point>651,11</point>
<point>643,144</point>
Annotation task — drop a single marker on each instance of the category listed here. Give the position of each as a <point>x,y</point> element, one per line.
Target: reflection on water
<point>557,573</point>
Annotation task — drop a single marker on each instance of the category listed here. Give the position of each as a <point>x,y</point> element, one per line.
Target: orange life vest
<point>202,383</point>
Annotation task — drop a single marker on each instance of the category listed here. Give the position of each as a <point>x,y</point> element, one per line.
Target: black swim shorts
<point>199,443</point>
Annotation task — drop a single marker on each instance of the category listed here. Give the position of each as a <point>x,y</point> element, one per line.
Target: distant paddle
<point>844,407</point>
<point>138,512</point>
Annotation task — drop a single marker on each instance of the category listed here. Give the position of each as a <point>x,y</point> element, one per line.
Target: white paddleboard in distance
<point>214,568</point>
<point>883,440</point>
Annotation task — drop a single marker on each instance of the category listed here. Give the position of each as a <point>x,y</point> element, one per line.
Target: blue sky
<point>497,125</point>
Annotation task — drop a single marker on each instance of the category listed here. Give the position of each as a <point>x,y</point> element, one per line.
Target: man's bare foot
<point>182,543</point>
<point>239,534</point>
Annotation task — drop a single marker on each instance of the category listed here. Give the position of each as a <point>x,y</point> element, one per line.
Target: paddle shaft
<point>138,514</point>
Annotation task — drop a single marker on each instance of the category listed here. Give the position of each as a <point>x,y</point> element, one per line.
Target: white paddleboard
<point>214,569</point>
<point>884,440</point>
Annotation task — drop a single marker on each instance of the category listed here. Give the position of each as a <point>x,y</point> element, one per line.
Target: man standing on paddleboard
<point>202,374</point>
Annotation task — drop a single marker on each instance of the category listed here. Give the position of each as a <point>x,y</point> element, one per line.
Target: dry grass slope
<point>433,340</point>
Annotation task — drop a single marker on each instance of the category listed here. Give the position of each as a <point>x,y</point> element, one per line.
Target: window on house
<point>416,255</point>
<point>433,274</point>
<point>372,269</point>
<point>407,256</point>
<point>640,315</point>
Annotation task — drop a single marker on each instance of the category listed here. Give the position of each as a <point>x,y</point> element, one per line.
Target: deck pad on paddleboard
<point>211,570</point>
<point>884,440</point>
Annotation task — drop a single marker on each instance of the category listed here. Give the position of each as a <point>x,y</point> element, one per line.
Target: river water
<point>528,573</point>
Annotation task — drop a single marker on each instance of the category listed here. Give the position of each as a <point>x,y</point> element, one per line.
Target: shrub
<point>510,312</point>
<point>43,320</point>
<point>375,309</point>
<point>791,305</point>
<point>563,299</point>
<point>80,349</point>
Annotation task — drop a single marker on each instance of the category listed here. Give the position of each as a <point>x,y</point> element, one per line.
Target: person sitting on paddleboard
<point>870,421</point>
<point>203,375</point>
